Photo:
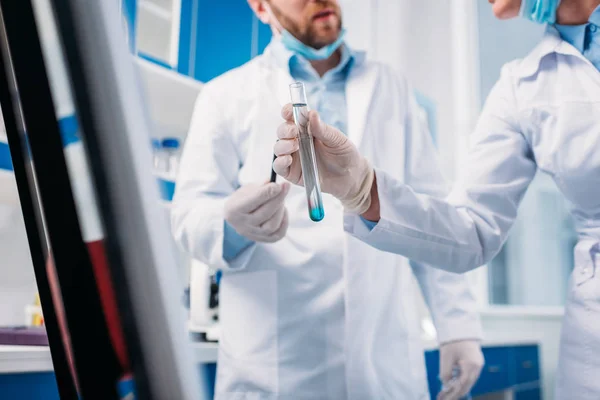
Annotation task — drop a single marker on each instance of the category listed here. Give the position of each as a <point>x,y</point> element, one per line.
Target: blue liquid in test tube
<point>308,160</point>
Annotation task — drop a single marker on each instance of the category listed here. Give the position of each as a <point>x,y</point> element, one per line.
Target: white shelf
<point>158,29</point>
<point>28,359</point>
<point>490,341</point>
<point>156,10</point>
<point>24,359</point>
<point>205,352</point>
<point>167,4</point>
<point>515,311</point>
<point>171,98</point>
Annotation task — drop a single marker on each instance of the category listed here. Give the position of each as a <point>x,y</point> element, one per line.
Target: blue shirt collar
<point>297,65</point>
<point>576,34</point>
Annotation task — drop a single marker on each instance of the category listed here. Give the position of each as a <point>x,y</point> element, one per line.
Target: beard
<point>307,32</point>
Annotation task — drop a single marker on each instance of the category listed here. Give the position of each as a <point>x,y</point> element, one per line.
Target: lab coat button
<point>584,271</point>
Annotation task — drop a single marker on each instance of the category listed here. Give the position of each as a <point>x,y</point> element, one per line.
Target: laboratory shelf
<point>24,359</point>
<point>157,10</point>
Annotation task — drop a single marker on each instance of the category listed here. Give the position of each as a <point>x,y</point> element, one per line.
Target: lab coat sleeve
<point>467,228</point>
<point>449,296</point>
<point>208,174</point>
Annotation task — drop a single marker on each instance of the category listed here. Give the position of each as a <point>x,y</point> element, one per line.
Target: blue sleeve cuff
<point>233,243</point>
<point>369,224</point>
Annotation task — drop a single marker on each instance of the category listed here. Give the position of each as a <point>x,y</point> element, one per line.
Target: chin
<point>327,36</point>
<point>505,11</point>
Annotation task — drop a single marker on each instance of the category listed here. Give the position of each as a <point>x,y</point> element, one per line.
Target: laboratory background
<point>452,53</point>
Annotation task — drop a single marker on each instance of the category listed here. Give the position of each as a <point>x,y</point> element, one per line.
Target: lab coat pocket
<point>248,316</point>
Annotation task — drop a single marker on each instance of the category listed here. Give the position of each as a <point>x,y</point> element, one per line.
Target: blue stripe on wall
<point>5,159</point>
<point>154,60</point>
<point>264,37</point>
<point>130,12</point>
<point>185,36</point>
<point>69,131</point>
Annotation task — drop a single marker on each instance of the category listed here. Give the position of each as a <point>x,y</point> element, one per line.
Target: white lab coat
<point>544,113</point>
<point>319,314</point>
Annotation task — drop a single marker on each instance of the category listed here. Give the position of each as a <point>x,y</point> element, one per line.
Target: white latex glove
<point>257,211</point>
<point>343,172</point>
<point>467,358</point>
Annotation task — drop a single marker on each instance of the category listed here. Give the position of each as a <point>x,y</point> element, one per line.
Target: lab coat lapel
<point>277,78</point>
<point>271,97</point>
<point>359,95</point>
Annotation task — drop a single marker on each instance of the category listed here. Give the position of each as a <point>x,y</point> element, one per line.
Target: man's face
<point>506,9</point>
<point>315,23</point>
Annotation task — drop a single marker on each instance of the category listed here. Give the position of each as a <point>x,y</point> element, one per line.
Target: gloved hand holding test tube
<point>449,389</point>
<point>308,161</point>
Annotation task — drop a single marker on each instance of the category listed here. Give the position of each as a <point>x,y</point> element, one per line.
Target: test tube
<point>308,160</point>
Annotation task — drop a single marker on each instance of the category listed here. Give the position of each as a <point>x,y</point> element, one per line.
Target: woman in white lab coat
<point>543,114</point>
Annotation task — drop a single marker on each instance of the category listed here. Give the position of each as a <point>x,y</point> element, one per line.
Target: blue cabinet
<point>530,394</point>
<point>513,368</point>
<point>225,32</point>
<point>215,37</point>
<point>495,373</point>
<point>30,386</point>
<point>527,364</point>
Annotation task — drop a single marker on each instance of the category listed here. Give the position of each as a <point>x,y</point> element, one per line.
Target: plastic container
<point>171,148</point>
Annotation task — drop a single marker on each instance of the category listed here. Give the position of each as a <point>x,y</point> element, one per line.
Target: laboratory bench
<point>511,369</point>
<point>26,372</point>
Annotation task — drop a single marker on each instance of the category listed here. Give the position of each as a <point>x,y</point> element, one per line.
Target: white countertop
<point>489,342</point>
<point>23,359</point>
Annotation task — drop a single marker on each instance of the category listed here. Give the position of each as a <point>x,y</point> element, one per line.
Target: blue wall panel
<point>224,37</point>
<point>264,37</point>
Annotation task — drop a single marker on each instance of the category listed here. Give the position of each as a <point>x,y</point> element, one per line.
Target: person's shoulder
<point>541,57</point>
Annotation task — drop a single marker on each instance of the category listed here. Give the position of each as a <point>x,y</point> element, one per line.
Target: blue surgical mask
<point>296,46</point>
<point>540,11</point>
<point>310,53</point>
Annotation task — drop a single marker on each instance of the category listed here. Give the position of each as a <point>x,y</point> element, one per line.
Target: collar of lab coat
<point>551,43</point>
<point>284,57</point>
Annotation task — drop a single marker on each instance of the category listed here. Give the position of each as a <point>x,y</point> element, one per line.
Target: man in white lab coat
<point>306,311</point>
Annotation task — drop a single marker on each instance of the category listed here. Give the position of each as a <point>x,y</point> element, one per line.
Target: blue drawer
<point>530,394</point>
<point>526,364</point>
<point>432,362</point>
<point>495,373</point>
<point>32,386</point>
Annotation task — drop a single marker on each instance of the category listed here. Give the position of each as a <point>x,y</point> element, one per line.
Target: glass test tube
<point>308,160</point>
